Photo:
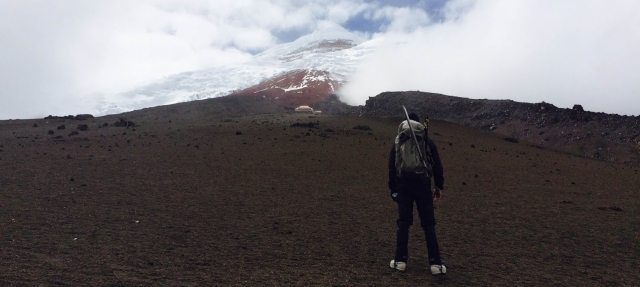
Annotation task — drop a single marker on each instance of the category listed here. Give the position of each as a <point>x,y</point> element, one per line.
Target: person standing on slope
<point>410,172</point>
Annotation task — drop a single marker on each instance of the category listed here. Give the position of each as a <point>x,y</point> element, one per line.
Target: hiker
<point>409,182</point>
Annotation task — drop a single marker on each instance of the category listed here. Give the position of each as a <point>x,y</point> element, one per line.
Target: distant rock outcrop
<point>332,105</point>
<point>79,117</point>
<point>83,117</point>
<point>595,135</point>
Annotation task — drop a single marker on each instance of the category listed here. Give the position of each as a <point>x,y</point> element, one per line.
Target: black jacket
<point>438,174</point>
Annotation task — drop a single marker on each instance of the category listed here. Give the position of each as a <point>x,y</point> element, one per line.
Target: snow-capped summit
<point>322,61</point>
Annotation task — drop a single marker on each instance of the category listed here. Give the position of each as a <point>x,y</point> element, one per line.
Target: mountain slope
<point>217,193</point>
<point>595,135</point>
<point>294,88</point>
<point>334,53</point>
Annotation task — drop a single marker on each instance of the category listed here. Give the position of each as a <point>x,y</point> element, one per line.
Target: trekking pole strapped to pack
<point>412,150</point>
<point>415,140</point>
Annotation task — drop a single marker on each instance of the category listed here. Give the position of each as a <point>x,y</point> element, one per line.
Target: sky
<point>66,56</point>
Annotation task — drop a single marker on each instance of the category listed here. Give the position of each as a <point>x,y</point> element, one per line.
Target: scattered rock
<point>578,108</point>
<point>362,128</point>
<point>50,132</point>
<point>512,140</point>
<point>73,133</point>
<point>578,114</point>
<point>310,125</point>
<point>122,122</point>
<point>50,117</point>
<point>61,127</point>
<point>79,117</point>
<point>82,117</point>
<point>614,208</point>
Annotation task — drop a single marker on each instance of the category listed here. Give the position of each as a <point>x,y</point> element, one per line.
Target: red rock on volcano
<point>295,88</point>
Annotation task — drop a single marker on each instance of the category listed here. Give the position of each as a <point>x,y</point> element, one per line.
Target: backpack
<point>409,163</point>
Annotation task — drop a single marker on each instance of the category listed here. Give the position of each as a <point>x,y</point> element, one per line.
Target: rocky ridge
<point>601,136</point>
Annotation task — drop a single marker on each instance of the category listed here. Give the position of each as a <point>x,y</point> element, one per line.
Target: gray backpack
<point>409,162</point>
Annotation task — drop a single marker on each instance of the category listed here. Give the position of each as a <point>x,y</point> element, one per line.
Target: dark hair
<point>414,117</point>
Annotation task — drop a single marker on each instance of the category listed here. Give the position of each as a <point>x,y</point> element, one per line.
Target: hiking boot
<point>438,269</point>
<point>398,265</point>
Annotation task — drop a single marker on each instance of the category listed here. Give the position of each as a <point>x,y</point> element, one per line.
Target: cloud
<point>401,19</point>
<point>58,57</point>
<point>563,52</point>
<point>64,57</point>
<point>61,57</point>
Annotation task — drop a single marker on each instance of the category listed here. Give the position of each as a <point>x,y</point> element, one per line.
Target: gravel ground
<point>253,201</point>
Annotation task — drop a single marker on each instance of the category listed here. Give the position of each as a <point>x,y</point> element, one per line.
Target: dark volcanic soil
<point>252,201</point>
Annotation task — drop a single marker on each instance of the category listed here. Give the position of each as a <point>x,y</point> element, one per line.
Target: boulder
<point>122,122</point>
<point>83,117</point>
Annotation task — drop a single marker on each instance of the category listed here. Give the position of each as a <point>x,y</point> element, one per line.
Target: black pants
<point>418,191</point>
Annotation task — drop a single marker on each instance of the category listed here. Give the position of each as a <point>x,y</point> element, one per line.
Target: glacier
<point>336,51</point>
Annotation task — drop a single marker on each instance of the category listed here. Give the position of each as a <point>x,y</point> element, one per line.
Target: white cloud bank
<point>67,56</point>
<point>63,57</point>
<point>563,52</point>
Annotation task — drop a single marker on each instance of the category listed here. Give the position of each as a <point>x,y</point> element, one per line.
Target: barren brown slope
<point>600,136</point>
<point>252,201</point>
<point>294,88</point>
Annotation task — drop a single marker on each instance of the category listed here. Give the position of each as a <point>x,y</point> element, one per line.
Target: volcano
<point>304,71</point>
